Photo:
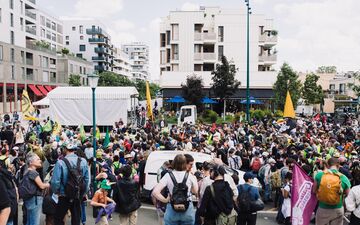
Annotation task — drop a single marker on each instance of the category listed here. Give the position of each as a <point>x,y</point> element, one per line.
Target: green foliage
<point>111,79</point>
<point>42,44</point>
<point>257,114</point>
<point>278,114</point>
<point>237,117</point>
<point>192,90</point>
<point>356,88</point>
<point>74,80</point>
<point>287,79</point>
<point>65,51</point>
<point>224,82</point>
<point>274,32</point>
<point>326,69</point>
<point>210,116</point>
<point>312,93</point>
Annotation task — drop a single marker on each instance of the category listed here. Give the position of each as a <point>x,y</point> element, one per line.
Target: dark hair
<point>218,170</point>
<point>235,177</point>
<point>189,158</point>
<point>288,176</point>
<point>179,162</point>
<point>333,162</point>
<point>116,158</point>
<point>126,171</point>
<point>206,166</point>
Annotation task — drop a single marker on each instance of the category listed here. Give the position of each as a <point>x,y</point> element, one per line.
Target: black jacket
<point>222,203</point>
<point>126,196</point>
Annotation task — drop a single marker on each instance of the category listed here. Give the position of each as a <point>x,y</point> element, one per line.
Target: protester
<point>100,201</point>
<point>286,193</point>
<point>4,204</point>
<point>352,202</point>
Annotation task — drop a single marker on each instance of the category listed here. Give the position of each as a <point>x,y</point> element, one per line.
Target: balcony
<point>99,67</point>
<point>268,59</point>
<point>198,36</point>
<point>96,31</point>
<point>30,14</point>
<point>31,30</point>
<point>206,56</point>
<point>52,66</point>
<point>98,58</point>
<point>268,41</point>
<point>29,62</point>
<point>98,40</point>
<point>32,1</point>
<point>101,50</point>
<point>209,37</point>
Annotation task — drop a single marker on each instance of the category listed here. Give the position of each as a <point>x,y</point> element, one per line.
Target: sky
<point>311,33</point>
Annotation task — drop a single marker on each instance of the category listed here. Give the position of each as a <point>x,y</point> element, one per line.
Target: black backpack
<point>75,185</point>
<point>244,200</point>
<point>179,198</point>
<point>9,182</point>
<point>27,187</point>
<point>3,164</point>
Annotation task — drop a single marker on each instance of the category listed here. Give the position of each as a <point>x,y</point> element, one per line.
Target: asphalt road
<point>147,216</point>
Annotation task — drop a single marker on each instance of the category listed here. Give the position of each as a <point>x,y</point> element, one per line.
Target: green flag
<point>107,139</point>
<point>82,133</point>
<point>47,127</point>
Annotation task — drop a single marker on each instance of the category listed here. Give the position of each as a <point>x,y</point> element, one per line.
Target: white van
<point>157,158</point>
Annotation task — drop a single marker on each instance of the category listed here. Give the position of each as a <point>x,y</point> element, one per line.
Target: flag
<point>28,109</point>
<point>47,127</point>
<point>107,139</point>
<point>303,200</point>
<point>57,128</point>
<point>82,133</point>
<point>148,102</point>
<point>97,135</point>
<point>289,108</point>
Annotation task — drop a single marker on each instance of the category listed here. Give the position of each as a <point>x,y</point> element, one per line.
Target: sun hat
<point>105,184</point>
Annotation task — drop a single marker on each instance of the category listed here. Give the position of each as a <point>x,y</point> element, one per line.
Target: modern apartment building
<point>139,55</point>
<point>24,63</point>
<point>193,42</point>
<point>122,63</point>
<point>88,39</point>
<point>68,65</point>
<point>50,30</point>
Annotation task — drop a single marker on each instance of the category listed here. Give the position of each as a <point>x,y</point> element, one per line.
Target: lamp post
<point>248,12</point>
<point>93,82</point>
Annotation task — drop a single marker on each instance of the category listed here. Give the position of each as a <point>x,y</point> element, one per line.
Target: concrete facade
<point>122,63</point>
<point>139,55</point>
<point>67,65</point>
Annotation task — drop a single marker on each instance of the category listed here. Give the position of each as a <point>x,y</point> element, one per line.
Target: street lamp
<point>93,82</point>
<point>247,62</point>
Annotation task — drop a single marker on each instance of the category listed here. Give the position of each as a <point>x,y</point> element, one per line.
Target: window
<point>11,20</point>
<point>79,55</point>
<point>74,28</point>
<point>48,35</point>
<point>80,69</point>
<point>21,7</point>
<point>53,37</point>
<point>11,4</point>
<point>13,72</point>
<point>22,24</point>
<point>45,76</point>
<point>12,55</point>
<point>66,37</point>
<point>67,43</point>
<point>162,40</point>
<point>175,52</point>
<point>220,52</point>
<point>23,73</point>
<point>1,52</point>
<point>71,68</point>
<point>81,37</point>
<point>221,34</point>
<point>53,26</point>
<point>42,20</point>
<point>81,29</point>
<point>22,57</point>
<point>45,62</point>
<point>48,23</point>
<point>168,37</point>
<point>84,70</point>
<point>82,48</point>
<point>0,14</point>
<point>43,32</point>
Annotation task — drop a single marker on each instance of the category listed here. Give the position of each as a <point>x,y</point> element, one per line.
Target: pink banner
<point>303,201</point>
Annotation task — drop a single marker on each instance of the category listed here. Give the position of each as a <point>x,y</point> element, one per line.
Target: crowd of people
<point>50,171</point>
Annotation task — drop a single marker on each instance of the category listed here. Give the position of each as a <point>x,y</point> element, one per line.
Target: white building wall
<point>49,29</point>
<point>139,55</point>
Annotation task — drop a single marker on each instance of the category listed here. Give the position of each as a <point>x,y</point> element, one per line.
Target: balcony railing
<point>52,66</point>
<point>30,14</point>
<point>268,58</point>
<point>209,36</point>
<point>209,56</point>
<point>267,38</point>
<point>101,50</point>
<point>29,62</point>
<point>30,76</point>
<point>99,68</point>
<point>96,31</point>
<point>98,58</point>
<point>97,40</point>
<point>31,30</point>
<point>198,56</point>
<point>32,1</point>
<point>198,36</point>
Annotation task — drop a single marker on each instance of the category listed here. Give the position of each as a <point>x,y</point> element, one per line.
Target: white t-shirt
<point>179,176</point>
<point>286,207</point>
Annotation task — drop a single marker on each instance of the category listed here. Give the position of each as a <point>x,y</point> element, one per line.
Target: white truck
<point>187,115</point>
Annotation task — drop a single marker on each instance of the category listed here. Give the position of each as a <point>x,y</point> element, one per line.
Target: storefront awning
<point>42,89</point>
<point>48,88</point>
<point>35,90</point>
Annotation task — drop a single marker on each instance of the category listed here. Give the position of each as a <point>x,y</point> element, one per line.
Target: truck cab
<point>188,115</point>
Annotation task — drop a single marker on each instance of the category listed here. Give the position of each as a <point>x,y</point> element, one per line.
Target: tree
<point>326,69</point>
<point>65,51</point>
<point>224,82</point>
<point>192,90</point>
<point>353,86</point>
<point>287,79</point>
<point>311,91</point>
<point>114,79</point>
<point>74,80</point>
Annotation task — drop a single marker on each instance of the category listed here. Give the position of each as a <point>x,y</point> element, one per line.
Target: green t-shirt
<point>345,184</point>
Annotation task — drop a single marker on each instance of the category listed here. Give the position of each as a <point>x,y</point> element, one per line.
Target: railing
<point>33,46</point>
<point>209,36</point>
<point>30,14</point>
<point>209,56</point>
<point>198,56</point>
<point>31,30</point>
<point>97,40</point>
<point>99,68</point>
<point>96,30</point>
<point>267,38</point>
<point>52,79</point>
<point>101,50</point>
<point>198,36</point>
<point>52,66</point>
<point>29,62</point>
<point>268,58</point>
<point>32,1</point>
<point>98,58</point>
<point>30,76</point>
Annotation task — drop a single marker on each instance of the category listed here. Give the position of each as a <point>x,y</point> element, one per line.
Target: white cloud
<point>123,24</point>
<point>98,8</point>
<point>120,38</point>
<point>319,33</point>
<point>189,6</point>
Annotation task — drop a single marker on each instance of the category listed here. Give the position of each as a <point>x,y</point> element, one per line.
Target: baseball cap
<point>105,184</point>
<point>248,175</point>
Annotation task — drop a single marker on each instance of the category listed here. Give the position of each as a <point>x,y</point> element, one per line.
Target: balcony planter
<point>274,32</point>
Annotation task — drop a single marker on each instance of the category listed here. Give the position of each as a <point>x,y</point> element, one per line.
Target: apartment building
<point>50,30</point>
<point>69,65</point>
<point>193,42</point>
<point>25,62</point>
<point>139,55</point>
<point>122,63</point>
<point>88,39</point>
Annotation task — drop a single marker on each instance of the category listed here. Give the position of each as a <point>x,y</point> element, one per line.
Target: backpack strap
<point>78,164</point>
<point>212,191</point>
<point>185,178</point>
<point>173,178</point>
<point>67,163</point>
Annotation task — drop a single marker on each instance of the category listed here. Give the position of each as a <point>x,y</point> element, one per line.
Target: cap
<point>271,160</point>
<point>105,184</point>
<point>248,175</point>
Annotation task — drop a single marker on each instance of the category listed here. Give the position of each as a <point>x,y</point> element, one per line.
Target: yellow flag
<point>27,108</point>
<point>289,108</point>
<point>148,102</point>
<point>57,127</point>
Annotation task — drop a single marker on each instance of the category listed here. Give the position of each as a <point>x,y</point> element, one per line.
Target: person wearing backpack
<point>234,160</point>
<point>180,183</point>
<point>5,204</point>
<point>247,194</point>
<point>256,162</point>
<point>217,205</point>
<point>70,182</point>
<point>352,202</point>
<point>330,186</point>
<point>9,181</point>
<point>30,189</point>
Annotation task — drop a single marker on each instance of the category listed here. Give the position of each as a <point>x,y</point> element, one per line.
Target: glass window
<point>43,32</point>
<point>22,24</point>
<point>13,72</point>
<point>73,28</point>
<point>220,52</point>
<point>1,52</point>
<point>66,37</point>
<point>21,7</point>
<point>221,34</point>
<point>12,55</point>
<point>53,26</point>
<point>0,14</point>
<point>67,43</point>
<point>81,29</point>
<point>11,20</point>
<point>42,20</point>
<point>11,4</point>
<point>81,37</point>
<point>22,57</point>
<point>45,76</point>
<point>82,48</point>
<point>45,62</point>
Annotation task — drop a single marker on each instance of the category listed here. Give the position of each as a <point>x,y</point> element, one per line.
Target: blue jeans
<point>83,212</point>
<point>33,210</point>
<point>172,217</point>
<point>267,192</point>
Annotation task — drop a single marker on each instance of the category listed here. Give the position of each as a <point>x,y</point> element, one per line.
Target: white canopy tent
<point>73,105</point>
<point>43,102</point>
